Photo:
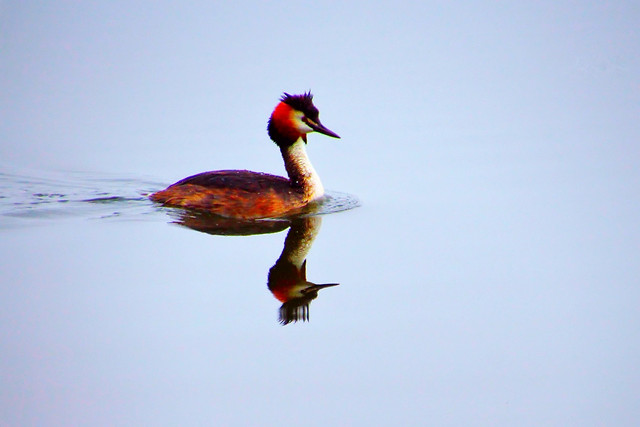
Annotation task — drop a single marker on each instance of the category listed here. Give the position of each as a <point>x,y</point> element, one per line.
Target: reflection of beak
<point>318,127</point>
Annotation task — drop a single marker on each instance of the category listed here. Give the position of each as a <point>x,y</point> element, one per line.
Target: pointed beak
<point>319,127</point>
<point>317,287</point>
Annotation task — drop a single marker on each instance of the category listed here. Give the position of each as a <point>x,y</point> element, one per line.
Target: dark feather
<point>242,180</point>
<point>302,103</point>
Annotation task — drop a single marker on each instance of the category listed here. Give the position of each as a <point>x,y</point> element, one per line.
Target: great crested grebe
<point>251,195</point>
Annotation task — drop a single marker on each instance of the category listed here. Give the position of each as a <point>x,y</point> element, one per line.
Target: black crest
<point>302,103</point>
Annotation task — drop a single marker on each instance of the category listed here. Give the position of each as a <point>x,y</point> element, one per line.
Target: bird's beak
<point>317,287</point>
<point>319,127</point>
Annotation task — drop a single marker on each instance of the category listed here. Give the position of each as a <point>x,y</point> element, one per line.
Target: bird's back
<point>234,193</point>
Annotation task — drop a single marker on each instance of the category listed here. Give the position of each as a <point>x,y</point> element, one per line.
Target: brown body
<point>252,195</point>
<point>235,194</point>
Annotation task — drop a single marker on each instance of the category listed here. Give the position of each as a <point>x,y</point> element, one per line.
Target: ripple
<point>337,202</point>
<point>56,196</point>
<point>72,195</point>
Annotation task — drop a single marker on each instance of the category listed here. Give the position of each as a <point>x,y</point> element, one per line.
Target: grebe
<point>251,195</point>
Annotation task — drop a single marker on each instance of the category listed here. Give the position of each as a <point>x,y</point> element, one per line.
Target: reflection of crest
<point>287,278</point>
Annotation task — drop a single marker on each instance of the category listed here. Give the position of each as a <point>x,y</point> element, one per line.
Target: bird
<point>248,195</point>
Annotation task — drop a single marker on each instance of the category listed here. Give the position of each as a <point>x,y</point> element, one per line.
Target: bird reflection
<point>287,279</point>
<point>288,276</point>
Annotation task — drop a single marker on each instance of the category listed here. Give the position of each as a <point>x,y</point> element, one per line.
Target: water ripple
<point>56,196</point>
<point>72,195</point>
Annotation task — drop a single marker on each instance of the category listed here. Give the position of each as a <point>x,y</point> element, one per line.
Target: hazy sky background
<point>167,89</point>
<point>490,276</point>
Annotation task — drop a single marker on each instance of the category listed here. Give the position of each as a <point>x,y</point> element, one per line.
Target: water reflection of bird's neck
<point>299,240</point>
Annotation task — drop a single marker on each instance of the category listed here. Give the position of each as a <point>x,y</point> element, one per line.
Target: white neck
<point>301,171</point>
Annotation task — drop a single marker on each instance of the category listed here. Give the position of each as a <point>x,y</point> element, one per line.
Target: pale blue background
<point>491,276</point>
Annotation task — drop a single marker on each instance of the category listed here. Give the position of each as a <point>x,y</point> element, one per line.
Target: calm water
<point>116,311</point>
<point>489,277</point>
